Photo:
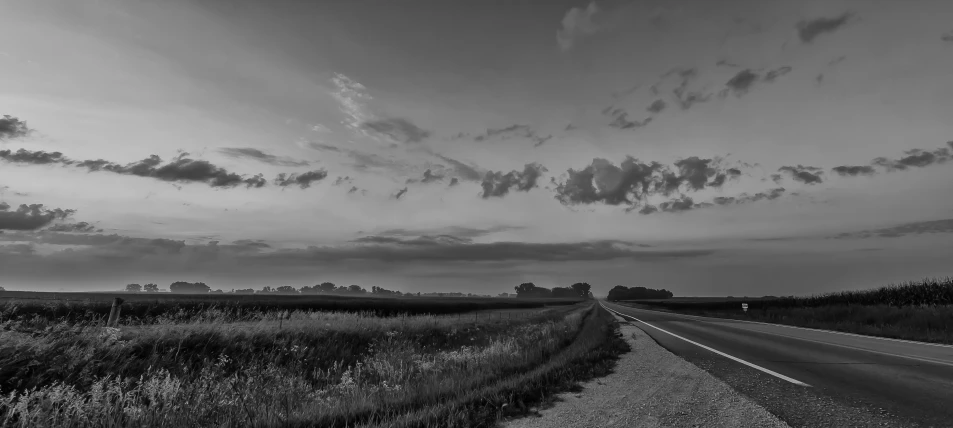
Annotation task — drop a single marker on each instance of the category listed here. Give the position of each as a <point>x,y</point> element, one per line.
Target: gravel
<point>651,387</point>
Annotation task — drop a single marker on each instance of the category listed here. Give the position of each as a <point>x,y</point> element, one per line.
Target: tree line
<point>322,288</point>
<point>577,290</point>
<point>620,292</point>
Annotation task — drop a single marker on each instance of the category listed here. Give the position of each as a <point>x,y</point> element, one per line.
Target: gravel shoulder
<point>651,387</point>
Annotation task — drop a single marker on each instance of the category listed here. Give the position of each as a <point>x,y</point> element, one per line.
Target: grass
<point>299,368</point>
<point>920,311</point>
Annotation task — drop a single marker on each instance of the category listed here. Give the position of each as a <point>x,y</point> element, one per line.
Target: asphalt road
<point>813,378</point>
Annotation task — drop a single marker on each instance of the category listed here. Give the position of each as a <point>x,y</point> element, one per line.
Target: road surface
<point>811,377</point>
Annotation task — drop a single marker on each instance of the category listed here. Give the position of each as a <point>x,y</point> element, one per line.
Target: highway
<point>813,378</point>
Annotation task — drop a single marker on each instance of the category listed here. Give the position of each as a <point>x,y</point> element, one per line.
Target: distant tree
<point>620,292</point>
<point>340,289</point>
<point>356,289</point>
<point>564,292</point>
<point>286,289</point>
<point>326,287</point>
<point>3,289</point>
<point>581,289</point>
<point>133,288</point>
<point>189,287</point>
<point>245,291</point>
<point>219,291</point>
<point>150,288</point>
<point>265,290</point>
<point>528,289</point>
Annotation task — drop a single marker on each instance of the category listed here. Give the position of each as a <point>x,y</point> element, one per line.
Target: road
<point>813,378</point>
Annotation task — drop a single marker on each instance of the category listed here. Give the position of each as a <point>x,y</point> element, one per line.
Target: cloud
<point>429,177</point>
<point>514,131</point>
<point>302,180</point>
<point>30,217</point>
<point>771,75</point>
<point>497,184</point>
<point>684,203</point>
<point>81,227</point>
<point>342,180</point>
<point>38,157</point>
<point>400,193</point>
<point>633,181</point>
<point>250,153</point>
<point>854,170</point>
<point>621,121</point>
<point>325,147</point>
<point>457,231</point>
<point>398,129</point>
<point>915,228</point>
<point>454,181</point>
<point>656,107</point>
<point>576,24</point>
<point>11,127</point>
<point>180,169</point>
<point>809,30</point>
<point>948,37</point>
<point>745,198</point>
<point>804,174</point>
<point>916,158</point>
<point>744,80</point>
<point>447,249</point>
<point>350,96</point>
<point>462,170</point>
<point>362,160</point>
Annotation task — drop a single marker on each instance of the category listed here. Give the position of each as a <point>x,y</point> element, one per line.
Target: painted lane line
<point>754,366</point>
<point>912,342</point>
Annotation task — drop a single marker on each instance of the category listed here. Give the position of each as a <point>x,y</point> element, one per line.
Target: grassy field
<point>199,363</point>
<point>149,307</point>
<point>921,311</point>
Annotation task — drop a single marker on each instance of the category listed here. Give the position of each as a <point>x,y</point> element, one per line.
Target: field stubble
<point>298,368</point>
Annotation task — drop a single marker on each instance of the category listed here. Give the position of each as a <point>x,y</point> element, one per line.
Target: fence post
<point>114,312</point>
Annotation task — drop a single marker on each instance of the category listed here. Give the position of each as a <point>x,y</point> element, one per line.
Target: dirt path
<point>652,387</point>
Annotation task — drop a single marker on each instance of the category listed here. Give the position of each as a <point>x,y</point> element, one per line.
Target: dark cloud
<point>256,243</point>
<point>341,180</point>
<point>684,203</point>
<point>916,158</point>
<point>429,177</point>
<point>324,147</point>
<point>809,30</point>
<point>854,170</point>
<point>30,217</point>
<point>454,181</point>
<point>250,153</point>
<point>648,209</point>
<point>771,75</point>
<point>400,193</point>
<point>948,37</point>
<point>742,82</point>
<point>621,121</point>
<point>180,169</point>
<point>514,131</point>
<point>398,129</point>
<point>353,189</point>
<point>81,227</point>
<point>302,180</point>
<point>38,157</point>
<point>804,174</point>
<point>726,63</point>
<point>11,127</point>
<point>497,184</point>
<point>457,231</point>
<point>656,107</point>
<point>633,181</point>
<point>733,172</point>
<point>915,228</point>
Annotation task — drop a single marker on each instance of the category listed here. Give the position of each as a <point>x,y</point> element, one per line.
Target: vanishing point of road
<point>813,378</point>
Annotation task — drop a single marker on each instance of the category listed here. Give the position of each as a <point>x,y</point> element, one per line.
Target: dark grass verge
<point>932,324</point>
<point>592,354</point>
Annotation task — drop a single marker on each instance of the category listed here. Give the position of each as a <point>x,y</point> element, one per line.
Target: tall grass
<point>317,369</point>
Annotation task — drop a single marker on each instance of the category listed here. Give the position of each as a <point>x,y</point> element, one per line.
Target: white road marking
<point>754,366</point>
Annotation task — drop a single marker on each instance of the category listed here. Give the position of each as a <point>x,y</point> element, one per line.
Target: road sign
<point>744,306</point>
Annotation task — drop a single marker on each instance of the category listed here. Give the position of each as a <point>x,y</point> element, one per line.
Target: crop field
<point>921,310</point>
<point>390,362</point>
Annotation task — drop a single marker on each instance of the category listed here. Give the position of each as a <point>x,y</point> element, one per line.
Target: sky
<point>739,147</point>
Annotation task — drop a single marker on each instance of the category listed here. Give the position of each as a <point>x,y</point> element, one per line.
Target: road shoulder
<point>651,387</point>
